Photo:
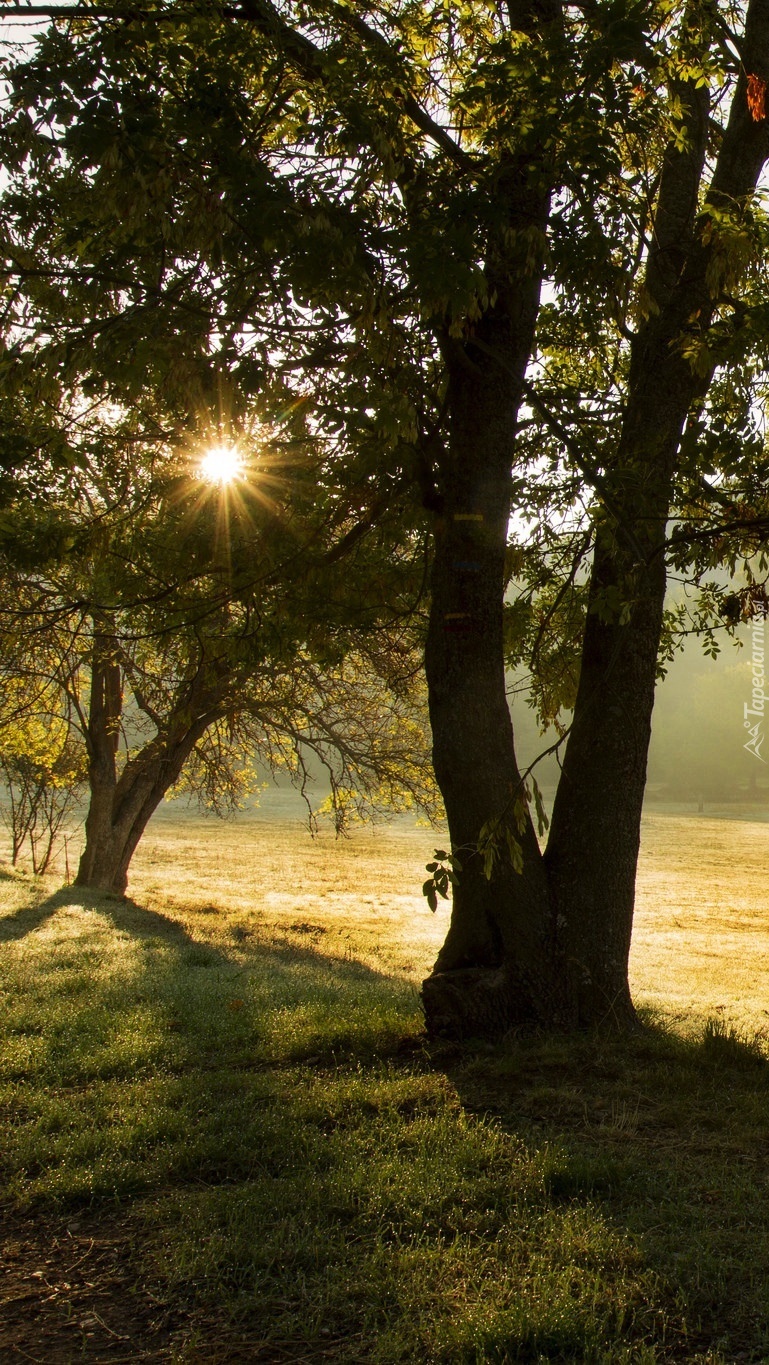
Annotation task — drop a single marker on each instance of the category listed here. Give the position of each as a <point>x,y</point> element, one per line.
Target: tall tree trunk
<point>102,736</point>
<point>494,965</point>
<point>592,851</point>
<point>557,935</point>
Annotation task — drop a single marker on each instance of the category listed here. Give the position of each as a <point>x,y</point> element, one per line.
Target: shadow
<point>193,1089</point>
<point>274,1120</point>
<point>281,958</point>
<point>129,917</point>
<point>138,921</point>
<point>125,914</point>
<point>662,1139</point>
<point>301,976</point>
<point>30,917</point>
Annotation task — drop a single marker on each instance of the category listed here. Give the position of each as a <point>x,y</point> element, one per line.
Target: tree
<point>42,767</point>
<point>385,193</point>
<point>163,625</point>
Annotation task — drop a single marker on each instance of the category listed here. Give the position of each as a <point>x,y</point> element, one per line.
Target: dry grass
<point>701,937</point>
<point>360,894</point>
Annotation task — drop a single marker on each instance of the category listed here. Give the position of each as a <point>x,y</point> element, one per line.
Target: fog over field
<point>699,734</point>
<point>697,755</point>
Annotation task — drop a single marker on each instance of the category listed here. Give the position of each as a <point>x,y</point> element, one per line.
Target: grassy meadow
<point>225,1138</point>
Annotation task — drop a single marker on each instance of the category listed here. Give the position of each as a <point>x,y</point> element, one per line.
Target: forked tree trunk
<point>550,943</point>
<point>121,805</point>
<point>118,813</point>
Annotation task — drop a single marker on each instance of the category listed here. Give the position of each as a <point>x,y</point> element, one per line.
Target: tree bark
<point>592,852</point>
<point>121,806</point>
<point>118,815</point>
<point>495,961</point>
<point>551,944</point>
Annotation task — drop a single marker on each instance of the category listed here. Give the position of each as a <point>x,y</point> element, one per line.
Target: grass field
<point>224,1136</point>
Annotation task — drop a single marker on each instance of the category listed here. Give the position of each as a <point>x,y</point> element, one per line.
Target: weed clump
<point>725,1045</point>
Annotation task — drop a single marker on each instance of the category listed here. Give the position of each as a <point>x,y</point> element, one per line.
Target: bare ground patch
<point>72,1289</point>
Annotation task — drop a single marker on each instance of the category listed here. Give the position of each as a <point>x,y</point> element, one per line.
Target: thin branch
<point>296,47</point>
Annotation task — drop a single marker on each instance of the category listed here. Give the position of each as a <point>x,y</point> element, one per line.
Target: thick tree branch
<point>746,141</point>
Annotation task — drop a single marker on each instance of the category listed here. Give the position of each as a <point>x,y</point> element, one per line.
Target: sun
<point>221,464</point>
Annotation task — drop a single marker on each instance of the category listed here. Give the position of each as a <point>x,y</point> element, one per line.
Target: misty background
<point>697,758</point>
<point>697,753</point>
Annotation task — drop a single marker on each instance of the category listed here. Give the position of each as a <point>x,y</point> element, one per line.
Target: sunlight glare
<point>221,464</point>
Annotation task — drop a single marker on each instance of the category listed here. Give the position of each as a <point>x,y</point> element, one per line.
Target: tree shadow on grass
<point>30,917</point>
<point>296,976</point>
<point>252,1148</point>
<point>664,1139</point>
<point>245,1162</point>
<point>125,914</point>
<point>139,921</point>
<point>225,1111</point>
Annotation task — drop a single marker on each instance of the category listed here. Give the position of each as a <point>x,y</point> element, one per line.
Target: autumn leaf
<point>756,97</point>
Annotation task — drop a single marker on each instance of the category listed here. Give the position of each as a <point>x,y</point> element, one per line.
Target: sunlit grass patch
<point>133,1049</point>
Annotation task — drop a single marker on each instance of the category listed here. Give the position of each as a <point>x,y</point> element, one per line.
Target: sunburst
<point>222,464</point>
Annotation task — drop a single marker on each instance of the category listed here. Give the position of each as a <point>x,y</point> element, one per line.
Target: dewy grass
<point>239,1067</point>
